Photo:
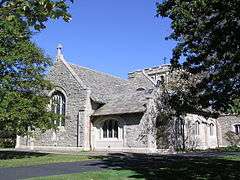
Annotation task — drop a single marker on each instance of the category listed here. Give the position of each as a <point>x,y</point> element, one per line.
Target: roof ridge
<point>71,70</point>
<point>147,76</point>
<point>100,72</point>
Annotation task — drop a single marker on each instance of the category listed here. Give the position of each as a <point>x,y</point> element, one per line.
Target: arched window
<point>105,130</point>
<point>197,128</point>
<point>110,129</point>
<point>237,128</point>
<point>211,127</point>
<point>58,104</point>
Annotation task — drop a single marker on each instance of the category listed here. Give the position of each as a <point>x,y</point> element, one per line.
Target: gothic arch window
<point>197,128</point>
<point>110,129</point>
<point>211,128</point>
<point>58,106</point>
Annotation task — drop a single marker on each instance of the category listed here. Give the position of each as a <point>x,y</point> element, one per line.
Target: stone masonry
<point>93,98</point>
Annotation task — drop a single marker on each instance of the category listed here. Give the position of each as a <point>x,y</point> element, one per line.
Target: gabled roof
<point>117,95</point>
<point>141,81</point>
<point>124,104</point>
<point>103,86</point>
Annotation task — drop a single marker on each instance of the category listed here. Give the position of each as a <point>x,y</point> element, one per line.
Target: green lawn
<point>136,166</point>
<point>95,175</point>
<point>164,167</point>
<point>231,158</point>
<point>17,159</point>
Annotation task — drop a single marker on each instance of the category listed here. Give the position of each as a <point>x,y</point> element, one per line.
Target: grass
<point>17,159</point>
<point>163,167</point>
<point>94,175</point>
<point>231,158</point>
<point>136,166</point>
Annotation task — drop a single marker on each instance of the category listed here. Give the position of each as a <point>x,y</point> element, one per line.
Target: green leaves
<point>22,81</point>
<point>207,32</point>
<point>23,66</point>
<point>234,107</point>
<point>35,12</point>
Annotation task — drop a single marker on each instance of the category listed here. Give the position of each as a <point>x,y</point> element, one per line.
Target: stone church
<point>106,113</point>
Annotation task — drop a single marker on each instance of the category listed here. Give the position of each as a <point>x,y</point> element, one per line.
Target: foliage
<point>7,142</point>
<point>7,139</point>
<point>34,12</point>
<point>208,39</point>
<point>23,103</point>
<point>173,104</point>
<point>234,108</point>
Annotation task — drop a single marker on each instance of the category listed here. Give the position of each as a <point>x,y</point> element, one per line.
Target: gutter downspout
<point>90,134</point>
<point>78,116</point>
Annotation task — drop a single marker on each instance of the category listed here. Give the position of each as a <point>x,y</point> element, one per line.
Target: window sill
<point>110,139</point>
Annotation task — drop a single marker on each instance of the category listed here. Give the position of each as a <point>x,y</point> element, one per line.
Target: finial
<point>59,52</point>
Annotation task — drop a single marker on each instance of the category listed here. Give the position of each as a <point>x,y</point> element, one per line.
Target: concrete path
<point>51,169</point>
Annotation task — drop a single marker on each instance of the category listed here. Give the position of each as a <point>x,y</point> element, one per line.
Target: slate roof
<point>102,85</point>
<point>124,104</point>
<point>141,81</point>
<point>119,96</point>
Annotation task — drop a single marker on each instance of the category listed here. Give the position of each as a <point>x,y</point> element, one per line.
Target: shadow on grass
<point>174,167</point>
<point>6,155</point>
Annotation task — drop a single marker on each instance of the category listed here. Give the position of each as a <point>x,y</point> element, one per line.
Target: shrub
<point>7,142</point>
<point>7,139</point>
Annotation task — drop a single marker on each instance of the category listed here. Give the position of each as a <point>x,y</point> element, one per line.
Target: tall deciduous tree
<point>23,65</point>
<point>208,36</point>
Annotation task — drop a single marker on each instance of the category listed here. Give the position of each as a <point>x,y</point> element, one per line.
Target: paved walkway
<point>51,169</point>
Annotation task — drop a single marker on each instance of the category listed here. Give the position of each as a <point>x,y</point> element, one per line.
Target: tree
<point>23,103</point>
<point>34,12</point>
<point>207,32</point>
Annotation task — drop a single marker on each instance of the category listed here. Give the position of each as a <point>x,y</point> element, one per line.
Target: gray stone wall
<point>76,97</point>
<point>203,139</point>
<point>129,133</point>
<point>132,131</point>
<point>226,124</point>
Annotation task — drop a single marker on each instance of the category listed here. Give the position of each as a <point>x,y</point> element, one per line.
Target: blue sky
<point>110,36</point>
